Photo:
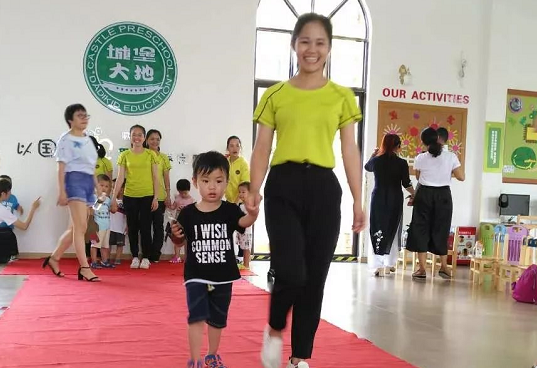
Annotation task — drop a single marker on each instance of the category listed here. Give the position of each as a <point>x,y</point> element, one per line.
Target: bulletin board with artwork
<point>409,120</point>
<point>520,144</point>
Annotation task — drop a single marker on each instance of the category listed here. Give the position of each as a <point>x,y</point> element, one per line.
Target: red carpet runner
<point>139,321</point>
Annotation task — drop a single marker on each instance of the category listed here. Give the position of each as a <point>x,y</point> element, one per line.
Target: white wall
<point>429,37</point>
<point>41,49</point>
<point>42,44</point>
<point>511,65</point>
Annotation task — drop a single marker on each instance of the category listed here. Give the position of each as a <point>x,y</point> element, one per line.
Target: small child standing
<point>8,240</point>
<point>118,226</point>
<point>101,215</point>
<point>244,240</point>
<point>210,266</point>
<point>12,204</point>
<point>182,199</point>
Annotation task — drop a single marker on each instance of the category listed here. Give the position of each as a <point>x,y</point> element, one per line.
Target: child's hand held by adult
<point>252,203</point>
<point>113,206</point>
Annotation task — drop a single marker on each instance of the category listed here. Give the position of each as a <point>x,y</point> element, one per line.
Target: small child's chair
<point>486,264</point>
<point>528,252</point>
<point>508,269</point>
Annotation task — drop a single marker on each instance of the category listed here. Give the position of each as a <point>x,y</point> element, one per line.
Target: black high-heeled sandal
<point>82,277</point>
<point>46,263</point>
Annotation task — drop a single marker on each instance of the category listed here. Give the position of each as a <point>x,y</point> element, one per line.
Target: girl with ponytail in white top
<point>433,205</point>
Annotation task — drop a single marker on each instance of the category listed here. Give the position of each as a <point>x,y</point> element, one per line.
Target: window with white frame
<point>275,61</point>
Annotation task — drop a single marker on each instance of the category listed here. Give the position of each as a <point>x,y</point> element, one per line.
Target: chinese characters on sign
<point>21,150</point>
<point>182,159</point>
<point>493,147</point>
<point>124,53</point>
<point>45,148</point>
<point>130,68</point>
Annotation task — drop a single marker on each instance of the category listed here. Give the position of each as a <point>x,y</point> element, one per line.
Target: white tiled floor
<point>432,324</point>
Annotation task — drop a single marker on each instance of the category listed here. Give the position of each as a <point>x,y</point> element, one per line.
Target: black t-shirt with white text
<point>210,255</point>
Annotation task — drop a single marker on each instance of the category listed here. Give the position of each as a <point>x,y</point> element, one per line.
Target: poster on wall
<point>493,157</point>
<point>409,120</point>
<point>520,143</point>
<point>130,68</point>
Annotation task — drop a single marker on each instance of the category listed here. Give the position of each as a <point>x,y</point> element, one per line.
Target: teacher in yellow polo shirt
<point>302,193</point>
<point>152,141</point>
<point>238,169</point>
<point>138,165</point>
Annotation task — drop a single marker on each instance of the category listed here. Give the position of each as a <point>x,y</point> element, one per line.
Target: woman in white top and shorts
<point>433,205</point>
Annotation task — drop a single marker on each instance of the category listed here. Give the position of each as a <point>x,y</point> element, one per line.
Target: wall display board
<point>409,120</point>
<point>520,144</point>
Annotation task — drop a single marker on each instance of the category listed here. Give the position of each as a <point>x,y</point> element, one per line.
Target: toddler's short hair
<point>103,177</point>
<point>6,177</point>
<point>182,185</point>
<point>245,184</point>
<point>206,163</point>
<point>5,186</point>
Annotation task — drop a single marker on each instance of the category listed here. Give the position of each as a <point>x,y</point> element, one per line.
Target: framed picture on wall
<point>520,142</point>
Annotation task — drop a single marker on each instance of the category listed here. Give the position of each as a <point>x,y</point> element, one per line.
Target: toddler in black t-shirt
<point>210,266</point>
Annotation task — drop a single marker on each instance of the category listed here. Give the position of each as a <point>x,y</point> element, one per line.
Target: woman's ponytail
<point>429,137</point>
<point>435,149</point>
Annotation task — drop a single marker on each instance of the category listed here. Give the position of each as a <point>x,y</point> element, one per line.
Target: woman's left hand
<point>358,223</point>
<point>167,201</point>
<point>154,205</point>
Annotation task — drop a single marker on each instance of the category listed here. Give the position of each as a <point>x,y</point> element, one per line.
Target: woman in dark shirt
<point>391,172</point>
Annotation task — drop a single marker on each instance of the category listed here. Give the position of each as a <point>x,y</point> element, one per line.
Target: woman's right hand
<point>62,199</point>
<point>252,202</point>
<point>113,206</point>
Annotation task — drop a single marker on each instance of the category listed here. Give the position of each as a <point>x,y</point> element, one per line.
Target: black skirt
<point>431,221</point>
<point>385,218</point>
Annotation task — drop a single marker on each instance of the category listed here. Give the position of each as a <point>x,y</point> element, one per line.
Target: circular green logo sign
<point>130,68</point>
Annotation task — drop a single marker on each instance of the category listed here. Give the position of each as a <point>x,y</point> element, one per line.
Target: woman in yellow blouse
<point>139,166</point>
<point>104,165</point>
<point>238,169</point>
<point>302,193</point>
<point>152,141</point>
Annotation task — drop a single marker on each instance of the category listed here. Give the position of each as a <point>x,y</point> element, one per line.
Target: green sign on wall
<point>130,68</point>
<point>493,147</point>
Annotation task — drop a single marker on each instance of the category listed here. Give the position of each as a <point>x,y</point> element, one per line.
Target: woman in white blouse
<point>433,205</point>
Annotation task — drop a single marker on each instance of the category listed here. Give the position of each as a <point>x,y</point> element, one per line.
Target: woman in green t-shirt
<point>302,193</point>
<point>152,141</point>
<point>138,165</point>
